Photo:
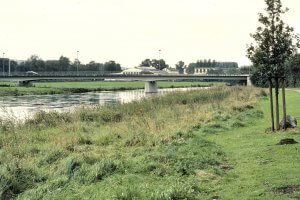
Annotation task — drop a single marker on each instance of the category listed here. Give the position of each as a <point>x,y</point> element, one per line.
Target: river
<point>23,107</point>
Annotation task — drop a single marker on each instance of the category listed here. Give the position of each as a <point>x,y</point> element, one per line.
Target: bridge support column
<point>24,83</point>
<point>150,87</point>
<point>249,83</point>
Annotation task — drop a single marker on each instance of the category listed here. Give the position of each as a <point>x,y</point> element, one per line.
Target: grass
<point>40,88</point>
<point>259,165</point>
<point>185,145</point>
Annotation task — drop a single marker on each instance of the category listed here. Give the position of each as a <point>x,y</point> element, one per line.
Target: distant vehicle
<point>32,73</point>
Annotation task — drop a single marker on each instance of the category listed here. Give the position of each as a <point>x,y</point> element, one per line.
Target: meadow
<point>40,88</point>
<point>185,145</point>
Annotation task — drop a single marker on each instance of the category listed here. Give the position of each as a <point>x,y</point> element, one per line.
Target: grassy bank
<point>193,145</point>
<point>40,88</point>
<point>260,168</point>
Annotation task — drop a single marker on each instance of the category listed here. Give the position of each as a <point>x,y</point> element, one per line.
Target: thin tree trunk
<point>283,103</point>
<point>271,103</point>
<point>277,102</point>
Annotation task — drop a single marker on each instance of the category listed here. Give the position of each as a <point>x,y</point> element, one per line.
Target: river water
<point>22,107</point>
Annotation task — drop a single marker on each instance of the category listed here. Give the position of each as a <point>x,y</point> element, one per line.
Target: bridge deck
<point>127,77</point>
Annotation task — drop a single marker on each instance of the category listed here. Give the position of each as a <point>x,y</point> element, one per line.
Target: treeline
<point>34,63</point>
<point>213,64</point>
<point>180,66</point>
<point>217,67</point>
<point>291,73</point>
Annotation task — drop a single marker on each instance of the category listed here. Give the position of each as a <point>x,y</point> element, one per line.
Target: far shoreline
<point>50,88</point>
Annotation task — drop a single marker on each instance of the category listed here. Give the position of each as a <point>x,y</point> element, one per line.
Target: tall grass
<point>145,149</point>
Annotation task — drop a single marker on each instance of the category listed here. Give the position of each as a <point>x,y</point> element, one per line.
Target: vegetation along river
<point>22,107</point>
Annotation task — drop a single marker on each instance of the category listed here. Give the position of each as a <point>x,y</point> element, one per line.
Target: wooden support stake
<point>283,103</point>
<point>277,102</point>
<point>271,103</point>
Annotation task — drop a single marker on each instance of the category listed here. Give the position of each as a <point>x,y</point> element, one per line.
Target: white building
<point>201,70</point>
<point>171,71</point>
<point>132,71</point>
<point>143,70</point>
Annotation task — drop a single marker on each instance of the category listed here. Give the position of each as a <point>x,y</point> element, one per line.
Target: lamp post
<point>3,63</point>
<point>77,63</point>
<point>159,58</point>
<point>8,67</point>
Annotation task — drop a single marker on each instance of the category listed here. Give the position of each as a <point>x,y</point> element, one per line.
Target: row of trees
<point>5,63</point>
<point>34,63</point>
<point>219,67</point>
<point>213,64</point>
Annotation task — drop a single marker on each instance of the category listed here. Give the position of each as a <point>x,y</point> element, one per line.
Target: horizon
<point>129,32</point>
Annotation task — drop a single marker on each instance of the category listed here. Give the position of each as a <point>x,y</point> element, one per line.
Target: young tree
<point>275,45</point>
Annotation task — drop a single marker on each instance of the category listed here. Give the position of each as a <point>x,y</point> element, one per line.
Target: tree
<point>180,67</point>
<point>6,63</point>
<point>34,63</point>
<point>93,66</point>
<point>51,66</point>
<point>146,63</point>
<point>191,68</point>
<point>63,63</point>
<point>294,71</point>
<point>159,64</point>
<point>112,66</point>
<point>275,45</point>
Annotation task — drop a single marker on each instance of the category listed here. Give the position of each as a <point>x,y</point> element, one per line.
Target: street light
<point>8,67</point>
<point>159,57</point>
<point>77,63</point>
<point>3,63</point>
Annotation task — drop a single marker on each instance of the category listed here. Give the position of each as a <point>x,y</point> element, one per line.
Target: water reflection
<point>21,107</point>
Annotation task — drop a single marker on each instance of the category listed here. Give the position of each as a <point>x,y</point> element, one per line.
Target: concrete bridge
<point>150,80</point>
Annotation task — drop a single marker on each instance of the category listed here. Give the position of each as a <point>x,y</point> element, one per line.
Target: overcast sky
<point>129,31</point>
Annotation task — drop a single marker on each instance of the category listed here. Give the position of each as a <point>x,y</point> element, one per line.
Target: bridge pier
<point>150,87</point>
<point>24,83</point>
<point>249,83</point>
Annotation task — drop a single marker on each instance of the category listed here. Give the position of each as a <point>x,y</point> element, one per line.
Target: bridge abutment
<point>150,87</point>
<point>24,83</point>
<point>249,83</point>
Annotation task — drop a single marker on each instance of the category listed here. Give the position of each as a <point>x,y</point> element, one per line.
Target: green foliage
<point>293,75</point>
<point>158,64</point>
<point>34,63</point>
<point>275,44</point>
<point>217,67</point>
<point>180,67</point>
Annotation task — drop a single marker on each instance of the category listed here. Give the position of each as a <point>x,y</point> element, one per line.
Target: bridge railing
<point>60,73</point>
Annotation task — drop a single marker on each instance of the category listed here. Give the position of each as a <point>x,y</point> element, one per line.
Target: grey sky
<point>129,31</point>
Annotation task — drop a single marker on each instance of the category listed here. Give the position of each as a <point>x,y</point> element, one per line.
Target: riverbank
<point>44,88</point>
<point>192,145</point>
